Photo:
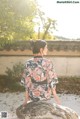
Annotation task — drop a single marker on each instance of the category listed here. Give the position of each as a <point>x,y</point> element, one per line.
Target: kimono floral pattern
<point>39,77</point>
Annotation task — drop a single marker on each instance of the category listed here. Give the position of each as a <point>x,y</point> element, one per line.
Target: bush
<point>15,73</point>
<point>13,77</point>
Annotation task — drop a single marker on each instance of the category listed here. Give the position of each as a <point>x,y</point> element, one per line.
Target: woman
<point>39,75</point>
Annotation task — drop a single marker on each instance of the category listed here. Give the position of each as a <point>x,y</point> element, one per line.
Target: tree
<point>16,18</point>
<point>47,24</point>
<point>48,27</point>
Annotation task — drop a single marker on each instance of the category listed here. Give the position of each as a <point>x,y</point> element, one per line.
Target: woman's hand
<point>27,99</point>
<point>56,96</point>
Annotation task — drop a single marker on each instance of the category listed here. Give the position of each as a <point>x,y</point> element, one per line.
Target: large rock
<point>45,110</point>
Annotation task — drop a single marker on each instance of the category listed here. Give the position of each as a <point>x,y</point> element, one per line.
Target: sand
<point>10,101</point>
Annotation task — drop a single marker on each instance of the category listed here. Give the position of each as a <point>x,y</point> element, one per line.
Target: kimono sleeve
<point>25,80</point>
<point>52,75</point>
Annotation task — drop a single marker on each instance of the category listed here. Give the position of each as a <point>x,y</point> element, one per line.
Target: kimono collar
<point>38,56</point>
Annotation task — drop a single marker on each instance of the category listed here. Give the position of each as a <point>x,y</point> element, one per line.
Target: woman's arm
<point>55,95</point>
<point>26,98</point>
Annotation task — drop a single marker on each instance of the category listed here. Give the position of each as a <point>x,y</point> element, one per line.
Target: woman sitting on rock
<point>39,75</point>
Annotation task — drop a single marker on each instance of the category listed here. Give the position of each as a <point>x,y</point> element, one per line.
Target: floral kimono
<point>39,77</point>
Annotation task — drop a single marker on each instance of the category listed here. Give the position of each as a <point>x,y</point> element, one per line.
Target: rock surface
<point>45,110</point>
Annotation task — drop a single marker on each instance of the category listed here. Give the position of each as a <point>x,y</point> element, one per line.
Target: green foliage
<point>16,19</point>
<point>11,81</point>
<point>15,73</point>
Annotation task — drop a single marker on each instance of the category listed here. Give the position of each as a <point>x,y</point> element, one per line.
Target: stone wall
<point>64,54</point>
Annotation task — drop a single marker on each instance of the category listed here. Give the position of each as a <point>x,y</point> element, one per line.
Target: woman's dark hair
<point>36,45</point>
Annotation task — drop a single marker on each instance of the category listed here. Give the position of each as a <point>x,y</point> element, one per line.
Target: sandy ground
<point>10,101</point>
